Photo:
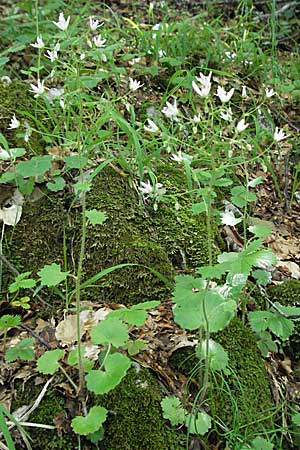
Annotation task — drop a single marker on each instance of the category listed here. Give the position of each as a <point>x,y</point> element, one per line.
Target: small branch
<point>277,309</point>
<point>36,336</point>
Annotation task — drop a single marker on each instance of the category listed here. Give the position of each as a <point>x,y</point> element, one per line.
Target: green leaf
<point>263,277</point>
<point>261,444</point>
<point>51,275</point>
<point>198,208</point>
<point>83,186</point>
<point>37,165</point>
<point>48,362</point>
<point>266,343</point>
<point>281,326</point>
<point>91,423</point>
<point>58,184</point>
<point>88,364</point>
<point>262,320</point>
<point>22,282</point>
<point>110,331</point>
<point>217,356</point>
<point>73,162</point>
<point>261,231</point>
<point>101,382</point>
<point>8,321</point>
<point>96,217</point>
<point>172,410</point>
<point>296,419</point>
<point>134,347</point>
<point>199,424</point>
<point>136,315</point>
<point>197,308</point>
<point>23,350</point>
<point>288,310</point>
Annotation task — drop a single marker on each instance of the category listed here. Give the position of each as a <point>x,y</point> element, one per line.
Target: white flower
<point>228,218</point>
<point>279,135</point>
<point>223,95</point>
<point>134,85</point>
<point>28,132</point>
<point>62,103</point>
<point>52,55</point>
<point>39,89</point>
<point>226,115</point>
<point>148,189</point>
<point>94,24</point>
<point>53,94</point>
<point>205,85</point>
<point>39,43</point>
<point>152,127</point>
<point>4,154</point>
<point>241,126</point>
<point>171,111</point>
<point>14,123</point>
<point>230,55</point>
<point>62,23</point>
<point>244,92</point>
<point>203,91</point>
<point>204,79</point>
<point>196,119</point>
<point>182,157</point>
<point>156,27</point>
<point>269,92</point>
<point>98,41</point>
<point>82,56</point>
<point>161,53</point>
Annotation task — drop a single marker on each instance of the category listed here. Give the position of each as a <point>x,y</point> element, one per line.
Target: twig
<point>286,316</point>
<point>35,335</point>
<point>34,425</point>
<point>16,272</point>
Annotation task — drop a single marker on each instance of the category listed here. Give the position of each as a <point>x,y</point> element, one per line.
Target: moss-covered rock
<point>134,420</point>
<point>131,234</point>
<point>242,398</point>
<point>288,294</point>
<point>50,410</point>
<point>15,99</point>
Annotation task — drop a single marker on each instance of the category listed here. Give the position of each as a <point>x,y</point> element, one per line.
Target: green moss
<point>135,421</point>
<point>247,387</point>
<point>51,407</point>
<point>131,234</point>
<point>15,99</point>
<point>244,395</point>
<point>288,294</point>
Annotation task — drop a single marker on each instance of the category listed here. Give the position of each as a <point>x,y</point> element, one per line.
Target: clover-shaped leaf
<point>48,362</point>
<point>51,275</point>
<point>91,423</point>
<point>23,350</point>
<point>101,382</point>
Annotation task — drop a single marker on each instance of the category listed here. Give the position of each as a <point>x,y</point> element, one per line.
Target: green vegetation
<point>143,147</point>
